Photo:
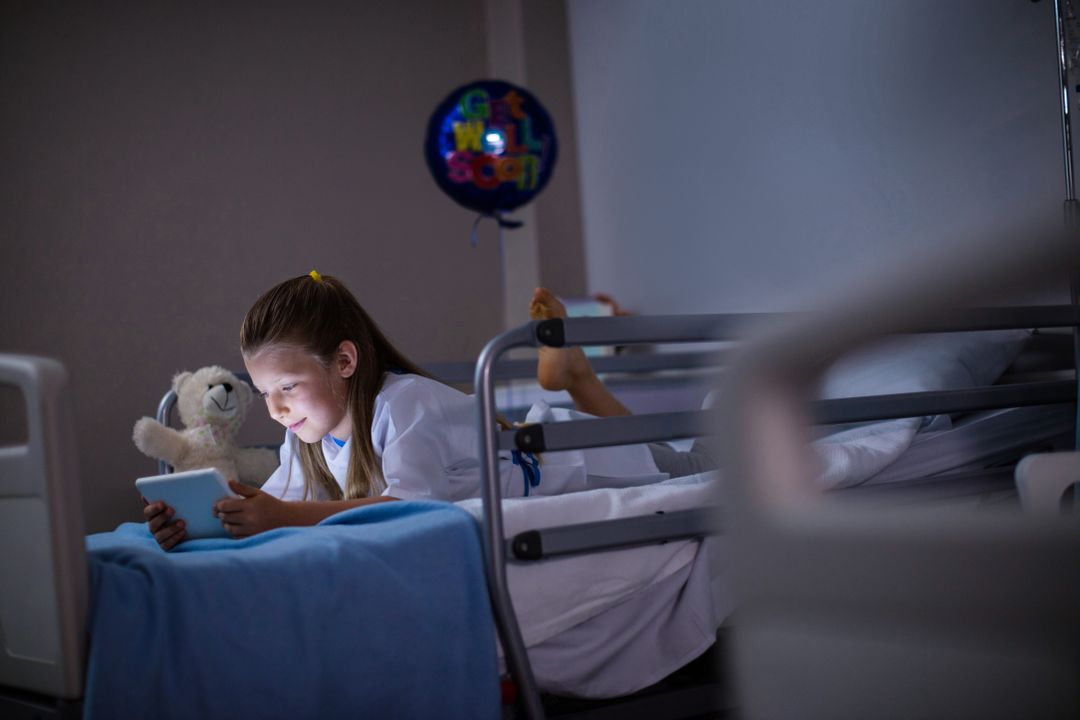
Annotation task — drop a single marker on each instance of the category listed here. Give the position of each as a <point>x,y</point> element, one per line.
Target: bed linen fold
<point>904,364</point>
<point>551,596</point>
<point>379,611</point>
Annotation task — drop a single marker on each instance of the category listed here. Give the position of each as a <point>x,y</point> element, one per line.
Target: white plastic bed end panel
<point>1043,478</point>
<point>43,579</point>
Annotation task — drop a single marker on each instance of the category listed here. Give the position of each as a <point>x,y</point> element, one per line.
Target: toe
<point>545,305</point>
<point>540,308</point>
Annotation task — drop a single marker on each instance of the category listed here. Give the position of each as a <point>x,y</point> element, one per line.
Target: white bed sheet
<point>644,639</point>
<point>611,623</point>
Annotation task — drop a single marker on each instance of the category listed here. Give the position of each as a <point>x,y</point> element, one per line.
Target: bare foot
<point>558,368</point>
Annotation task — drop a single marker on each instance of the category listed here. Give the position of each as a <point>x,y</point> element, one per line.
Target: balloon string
<point>502,290</point>
<point>474,237</point>
<point>502,223</point>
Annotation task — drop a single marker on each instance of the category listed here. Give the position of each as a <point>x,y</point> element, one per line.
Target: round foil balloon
<point>491,146</point>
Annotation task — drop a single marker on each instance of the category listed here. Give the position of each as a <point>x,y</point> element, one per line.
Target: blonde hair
<point>315,313</point>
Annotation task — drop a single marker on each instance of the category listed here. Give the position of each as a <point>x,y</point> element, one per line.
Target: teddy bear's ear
<point>179,379</point>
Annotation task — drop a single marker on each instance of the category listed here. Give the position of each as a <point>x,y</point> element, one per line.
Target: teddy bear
<point>212,403</point>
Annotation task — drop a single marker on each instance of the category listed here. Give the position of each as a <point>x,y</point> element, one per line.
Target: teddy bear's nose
<point>227,386</point>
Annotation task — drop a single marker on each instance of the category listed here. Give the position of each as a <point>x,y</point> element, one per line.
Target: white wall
<point>739,156</point>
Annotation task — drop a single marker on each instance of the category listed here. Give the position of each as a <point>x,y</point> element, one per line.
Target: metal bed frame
<point>552,542</point>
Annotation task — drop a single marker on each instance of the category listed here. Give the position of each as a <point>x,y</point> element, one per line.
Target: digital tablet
<point>192,495</point>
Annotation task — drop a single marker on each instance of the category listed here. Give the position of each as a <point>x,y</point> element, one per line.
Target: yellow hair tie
<point>315,276</point>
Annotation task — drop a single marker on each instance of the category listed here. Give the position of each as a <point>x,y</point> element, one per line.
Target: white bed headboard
<point>43,579</point>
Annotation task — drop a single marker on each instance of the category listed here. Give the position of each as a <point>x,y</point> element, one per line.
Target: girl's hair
<point>315,313</point>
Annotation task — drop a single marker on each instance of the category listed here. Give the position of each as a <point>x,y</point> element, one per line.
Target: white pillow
<point>917,363</point>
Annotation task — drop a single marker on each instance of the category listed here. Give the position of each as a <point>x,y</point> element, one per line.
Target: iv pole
<point>1072,208</point>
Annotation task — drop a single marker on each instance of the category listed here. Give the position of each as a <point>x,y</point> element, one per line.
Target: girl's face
<point>301,393</point>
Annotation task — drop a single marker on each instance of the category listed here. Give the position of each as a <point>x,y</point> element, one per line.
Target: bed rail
<point>630,429</point>
<point>551,542</point>
<point>608,534</point>
<point>560,332</point>
<point>462,373</point>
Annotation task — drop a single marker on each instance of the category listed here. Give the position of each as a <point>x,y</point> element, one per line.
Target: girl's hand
<point>166,531</point>
<point>252,513</point>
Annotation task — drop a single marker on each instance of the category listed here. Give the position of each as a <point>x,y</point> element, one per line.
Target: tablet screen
<point>192,495</point>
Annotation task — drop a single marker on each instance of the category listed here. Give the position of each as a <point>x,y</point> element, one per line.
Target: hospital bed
<point>507,552</point>
<point>530,544</point>
<point>108,626</point>
<point>518,540</point>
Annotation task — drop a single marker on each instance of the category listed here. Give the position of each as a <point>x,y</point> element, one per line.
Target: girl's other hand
<point>166,531</point>
<point>253,512</point>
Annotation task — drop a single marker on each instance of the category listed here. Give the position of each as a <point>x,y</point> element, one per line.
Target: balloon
<point>491,146</point>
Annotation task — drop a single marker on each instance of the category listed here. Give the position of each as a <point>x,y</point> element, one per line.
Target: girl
<point>365,425</point>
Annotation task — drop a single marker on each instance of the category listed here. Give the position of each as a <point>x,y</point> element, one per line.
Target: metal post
<point>1072,211</point>
<point>1063,72</point>
<point>517,661</point>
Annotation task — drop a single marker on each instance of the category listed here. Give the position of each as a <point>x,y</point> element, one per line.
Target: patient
<point>364,424</point>
<point>569,369</point>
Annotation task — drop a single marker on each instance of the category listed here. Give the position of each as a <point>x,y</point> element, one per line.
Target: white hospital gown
<point>427,438</point>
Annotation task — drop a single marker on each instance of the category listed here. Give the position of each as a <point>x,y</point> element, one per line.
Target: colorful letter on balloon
<point>491,146</point>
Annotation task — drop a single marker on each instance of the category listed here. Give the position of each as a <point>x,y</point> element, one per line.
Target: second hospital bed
<point>656,638</point>
<point>1055,425</point>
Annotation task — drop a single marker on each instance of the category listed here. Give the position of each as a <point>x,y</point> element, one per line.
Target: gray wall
<point>744,156</point>
<point>161,164</point>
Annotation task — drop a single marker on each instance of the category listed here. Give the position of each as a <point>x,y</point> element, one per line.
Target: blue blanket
<point>378,612</point>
